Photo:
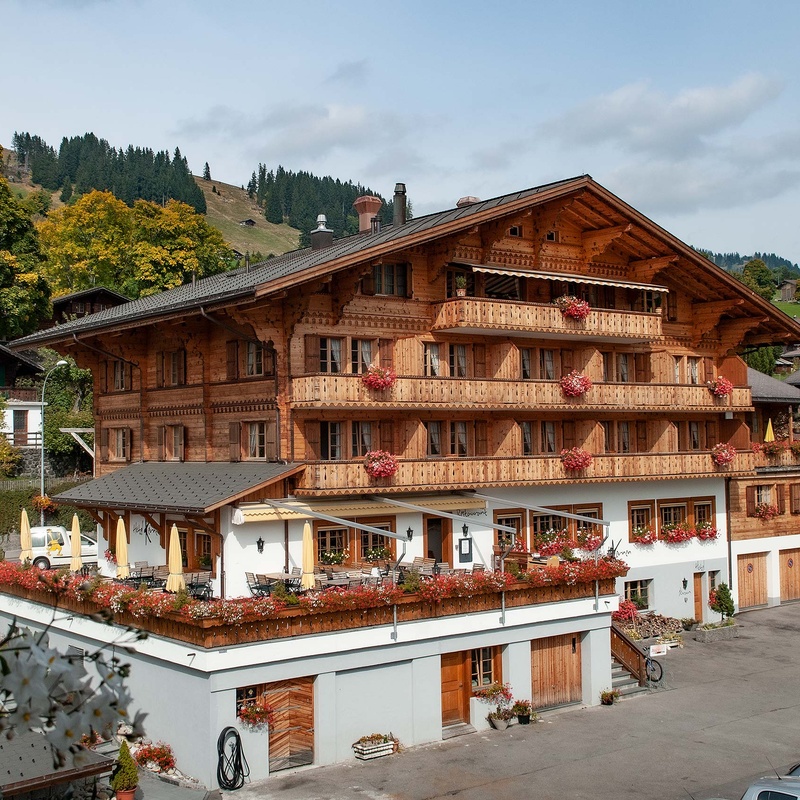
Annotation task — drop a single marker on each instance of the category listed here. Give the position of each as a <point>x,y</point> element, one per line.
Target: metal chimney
<point>321,236</point>
<point>399,204</point>
<point>367,207</point>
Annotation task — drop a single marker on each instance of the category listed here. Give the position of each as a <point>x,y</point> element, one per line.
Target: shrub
<point>720,600</point>
<point>125,776</point>
<point>10,459</point>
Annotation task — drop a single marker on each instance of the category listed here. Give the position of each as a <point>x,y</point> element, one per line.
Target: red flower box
<point>576,459</point>
<point>378,378</point>
<point>573,307</point>
<point>575,384</point>
<point>723,454</point>
<point>380,464</point>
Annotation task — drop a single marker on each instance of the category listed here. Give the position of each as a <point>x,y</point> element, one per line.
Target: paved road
<point>728,711</point>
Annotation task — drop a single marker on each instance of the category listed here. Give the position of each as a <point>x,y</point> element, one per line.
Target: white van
<point>52,547</point>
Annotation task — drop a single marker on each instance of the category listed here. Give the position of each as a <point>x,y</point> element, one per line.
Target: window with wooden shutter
<point>104,376</point>
<point>780,492</point>
<point>180,370</point>
<point>481,438</point>
<point>272,440</point>
<point>672,306</point>
<point>387,435</point>
<point>178,442</point>
<point>642,367</point>
<point>368,281</point>
<point>232,360</point>
<point>708,369</point>
<point>161,433</point>
<point>794,498</point>
<point>235,441</point>
<point>312,441</point>
<point>712,434</point>
<point>386,353</point>
<point>568,434</point>
<point>160,357</point>
<point>479,360</point>
<point>312,353</point>
<point>641,436</point>
<point>750,499</point>
<point>104,444</point>
<point>567,361</point>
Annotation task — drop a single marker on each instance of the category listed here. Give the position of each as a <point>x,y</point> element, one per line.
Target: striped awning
<point>570,277</point>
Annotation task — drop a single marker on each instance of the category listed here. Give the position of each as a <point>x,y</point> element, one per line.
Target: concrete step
<point>622,680</point>
<point>461,729</point>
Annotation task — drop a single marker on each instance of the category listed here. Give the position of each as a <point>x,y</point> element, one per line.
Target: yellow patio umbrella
<point>307,581</point>
<point>769,434</point>
<point>76,562</point>
<point>26,554</point>
<point>123,570</point>
<point>175,581</point>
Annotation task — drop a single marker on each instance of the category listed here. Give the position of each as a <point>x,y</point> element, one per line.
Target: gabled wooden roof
<point>611,226</point>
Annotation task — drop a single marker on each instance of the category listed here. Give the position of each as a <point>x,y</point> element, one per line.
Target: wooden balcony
<point>323,478</point>
<point>290,622</point>
<point>416,392</point>
<point>543,320</point>
<point>26,395</point>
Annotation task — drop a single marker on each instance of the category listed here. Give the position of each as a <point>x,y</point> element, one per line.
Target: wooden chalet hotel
<point>242,407</point>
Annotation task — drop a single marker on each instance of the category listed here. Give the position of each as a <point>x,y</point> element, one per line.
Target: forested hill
<point>782,268</point>
<point>83,163</point>
<point>298,197</point>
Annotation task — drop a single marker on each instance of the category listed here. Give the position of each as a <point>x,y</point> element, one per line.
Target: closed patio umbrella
<point>307,581</point>
<point>76,562</point>
<point>175,581</point>
<point>123,570</point>
<point>25,537</point>
<point>769,434</point>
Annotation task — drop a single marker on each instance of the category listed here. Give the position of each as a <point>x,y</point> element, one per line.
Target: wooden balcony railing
<point>627,653</point>
<point>22,438</point>
<point>214,632</point>
<point>344,390</point>
<point>12,393</point>
<point>344,477</point>
<point>502,317</point>
<point>781,460</point>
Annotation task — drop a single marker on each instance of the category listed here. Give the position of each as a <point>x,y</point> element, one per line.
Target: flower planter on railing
<point>568,582</point>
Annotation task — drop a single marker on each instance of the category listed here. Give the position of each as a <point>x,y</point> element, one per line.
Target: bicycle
<point>653,670</point>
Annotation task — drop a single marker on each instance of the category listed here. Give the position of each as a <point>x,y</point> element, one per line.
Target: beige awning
<point>565,276</point>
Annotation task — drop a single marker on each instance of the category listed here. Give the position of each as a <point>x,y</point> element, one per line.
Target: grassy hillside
<point>229,205</point>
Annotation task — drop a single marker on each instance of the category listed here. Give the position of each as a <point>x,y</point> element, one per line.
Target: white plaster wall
<point>34,410</point>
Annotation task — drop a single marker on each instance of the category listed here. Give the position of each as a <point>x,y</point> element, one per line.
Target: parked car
<point>787,788</point>
<point>52,547</point>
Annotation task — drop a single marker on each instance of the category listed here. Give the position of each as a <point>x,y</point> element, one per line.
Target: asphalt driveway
<point>728,713</point>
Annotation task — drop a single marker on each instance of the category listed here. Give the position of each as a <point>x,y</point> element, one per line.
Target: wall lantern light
<point>409,533</point>
<point>465,530</point>
<point>685,583</point>
<point>260,544</point>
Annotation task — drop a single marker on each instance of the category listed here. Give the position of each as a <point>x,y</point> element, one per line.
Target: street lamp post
<point>61,363</point>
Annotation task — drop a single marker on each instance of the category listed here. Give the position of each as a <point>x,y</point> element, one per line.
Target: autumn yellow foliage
<point>100,241</point>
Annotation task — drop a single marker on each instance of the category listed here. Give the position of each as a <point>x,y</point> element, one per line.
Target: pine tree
<point>206,172</point>
<point>66,191</point>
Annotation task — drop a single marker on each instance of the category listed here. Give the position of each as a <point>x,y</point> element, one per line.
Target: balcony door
<point>20,428</point>
<point>438,539</point>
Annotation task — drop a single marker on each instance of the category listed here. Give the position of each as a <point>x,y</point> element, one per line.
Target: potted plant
<point>723,454</point>
<point>499,695</point>
<point>380,464</point>
<point>576,459</point>
<point>766,512</point>
<point>375,745</point>
<point>720,386</point>
<point>523,710</point>
<point>125,778</point>
<point>573,307</point>
<point>609,696</point>
<point>331,557</point>
<point>256,716</point>
<point>380,378</point>
<point>575,384</point>
<point>460,282</point>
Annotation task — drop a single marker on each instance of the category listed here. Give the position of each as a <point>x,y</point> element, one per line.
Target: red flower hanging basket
<point>576,459</point>
<point>380,464</point>
<point>573,307</point>
<point>574,384</point>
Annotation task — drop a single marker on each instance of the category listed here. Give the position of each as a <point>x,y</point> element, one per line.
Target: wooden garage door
<point>556,671</point>
<point>455,688</point>
<point>291,735</point>
<point>752,580</point>
<point>790,574</point>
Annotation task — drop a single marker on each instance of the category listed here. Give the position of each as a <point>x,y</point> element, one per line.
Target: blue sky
<point>689,111</point>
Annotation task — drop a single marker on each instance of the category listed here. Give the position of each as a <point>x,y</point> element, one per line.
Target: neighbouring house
<point>765,507</point>
<point>248,223</point>
<point>28,772</point>
<point>469,389</point>
<point>788,288</point>
<point>80,304</point>
<point>20,418</point>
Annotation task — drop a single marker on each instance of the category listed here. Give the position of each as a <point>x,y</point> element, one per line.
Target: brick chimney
<point>367,207</point>
<point>469,200</point>
<point>399,204</point>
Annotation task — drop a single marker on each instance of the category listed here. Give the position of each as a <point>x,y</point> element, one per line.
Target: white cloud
<point>637,118</point>
<point>349,72</point>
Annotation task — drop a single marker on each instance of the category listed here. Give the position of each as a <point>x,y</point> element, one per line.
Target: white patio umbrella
<point>175,581</point>
<point>307,581</point>
<point>76,562</point>
<point>25,537</point>
<point>123,570</point>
